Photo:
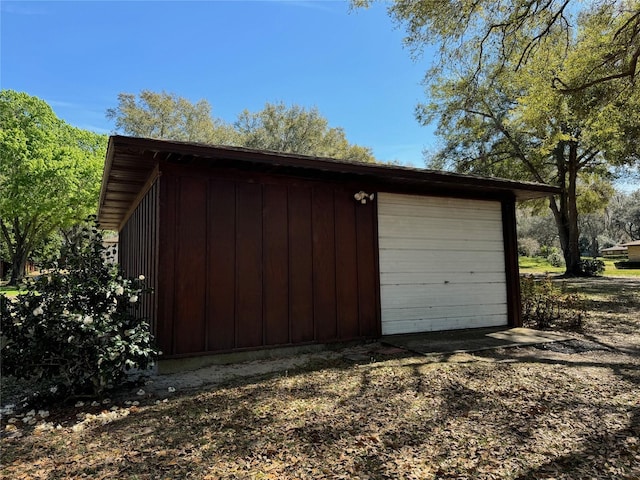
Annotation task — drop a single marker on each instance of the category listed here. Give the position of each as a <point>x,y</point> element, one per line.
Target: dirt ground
<point>568,410</point>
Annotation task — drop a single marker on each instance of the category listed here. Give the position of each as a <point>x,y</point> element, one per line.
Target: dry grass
<point>566,411</point>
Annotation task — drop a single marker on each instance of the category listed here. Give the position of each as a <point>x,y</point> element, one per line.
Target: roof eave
<point>152,151</point>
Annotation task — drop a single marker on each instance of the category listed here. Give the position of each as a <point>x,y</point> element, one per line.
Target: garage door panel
<point>438,324</point>
<point>452,228</point>
<point>440,213</point>
<point>392,201</point>
<point>457,244</point>
<point>470,259</point>
<point>422,313</point>
<point>415,295</point>
<point>431,278</point>
<point>442,266</point>
<point>442,263</point>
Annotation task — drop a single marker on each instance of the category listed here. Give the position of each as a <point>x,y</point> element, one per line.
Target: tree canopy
<point>49,174</point>
<point>296,129</point>
<point>166,115</point>
<point>533,90</point>
<point>279,127</point>
<point>513,32</point>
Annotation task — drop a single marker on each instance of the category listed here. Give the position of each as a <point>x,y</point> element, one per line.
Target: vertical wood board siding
<point>264,261</point>
<point>442,263</point>
<point>138,250</point>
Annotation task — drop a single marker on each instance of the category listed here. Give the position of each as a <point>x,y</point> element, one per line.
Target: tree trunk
<point>18,251</point>
<point>566,215</point>
<point>18,265</point>
<point>595,247</point>
<point>572,260</point>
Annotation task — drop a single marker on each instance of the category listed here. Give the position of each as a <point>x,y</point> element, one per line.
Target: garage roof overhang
<point>131,162</point>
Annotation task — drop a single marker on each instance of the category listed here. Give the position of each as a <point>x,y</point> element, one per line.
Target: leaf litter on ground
<point>529,412</point>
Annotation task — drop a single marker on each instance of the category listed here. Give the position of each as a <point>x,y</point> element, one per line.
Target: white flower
<point>88,320</point>
<point>38,311</point>
<point>78,427</point>
<point>44,427</point>
<point>53,389</point>
<point>119,290</point>
<point>171,389</point>
<point>133,298</point>
<point>141,277</point>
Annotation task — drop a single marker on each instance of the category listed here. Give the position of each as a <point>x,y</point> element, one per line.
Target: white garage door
<point>441,264</point>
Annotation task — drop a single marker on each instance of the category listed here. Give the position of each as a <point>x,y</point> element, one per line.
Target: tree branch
<point>630,71</point>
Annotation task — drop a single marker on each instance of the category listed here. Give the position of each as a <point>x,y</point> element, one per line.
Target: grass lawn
<point>564,411</point>
<point>541,266</point>
<point>10,291</point>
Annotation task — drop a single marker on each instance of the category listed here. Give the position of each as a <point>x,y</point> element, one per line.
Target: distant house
<point>615,251</point>
<point>248,249</point>
<point>633,250</point>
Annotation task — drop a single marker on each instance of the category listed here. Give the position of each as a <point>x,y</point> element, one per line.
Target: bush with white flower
<point>76,330</point>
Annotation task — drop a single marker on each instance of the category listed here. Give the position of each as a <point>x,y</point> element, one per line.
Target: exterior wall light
<point>362,197</point>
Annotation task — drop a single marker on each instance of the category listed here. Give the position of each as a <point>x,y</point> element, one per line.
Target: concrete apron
<point>471,340</point>
<point>191,374</point>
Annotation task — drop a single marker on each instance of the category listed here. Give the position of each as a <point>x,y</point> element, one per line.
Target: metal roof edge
<point>215,151</point>
<point>393,174</point>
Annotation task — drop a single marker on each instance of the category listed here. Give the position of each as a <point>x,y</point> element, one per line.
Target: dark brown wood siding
<point>138,250</point>
<point>514,305</point>
<point>255,261</point>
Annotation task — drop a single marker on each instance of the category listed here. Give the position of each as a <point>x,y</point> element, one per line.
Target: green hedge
<point>628,265</point>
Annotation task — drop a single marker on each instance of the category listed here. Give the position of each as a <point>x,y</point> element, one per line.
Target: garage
<point>442,263</point>
<point>248,249</point>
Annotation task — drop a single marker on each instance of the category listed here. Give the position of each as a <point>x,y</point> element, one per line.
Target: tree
<point>49,175</point>
<point>296,129</point>
<point>514,32</point>
<point>538,226</point>
<point>278,127</point>
<point>166,115</point>
<point>520,92</point>
<point>625,216</point>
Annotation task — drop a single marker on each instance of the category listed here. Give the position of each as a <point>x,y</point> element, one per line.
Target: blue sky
<point>236,54</point>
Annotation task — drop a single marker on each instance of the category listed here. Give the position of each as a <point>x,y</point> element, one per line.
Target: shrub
<point>627,265</point>
<point>592,267</point>
<point>528,247</point>
<point>75,330</point>
<point>545,305</point>
<point>555,259</point>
